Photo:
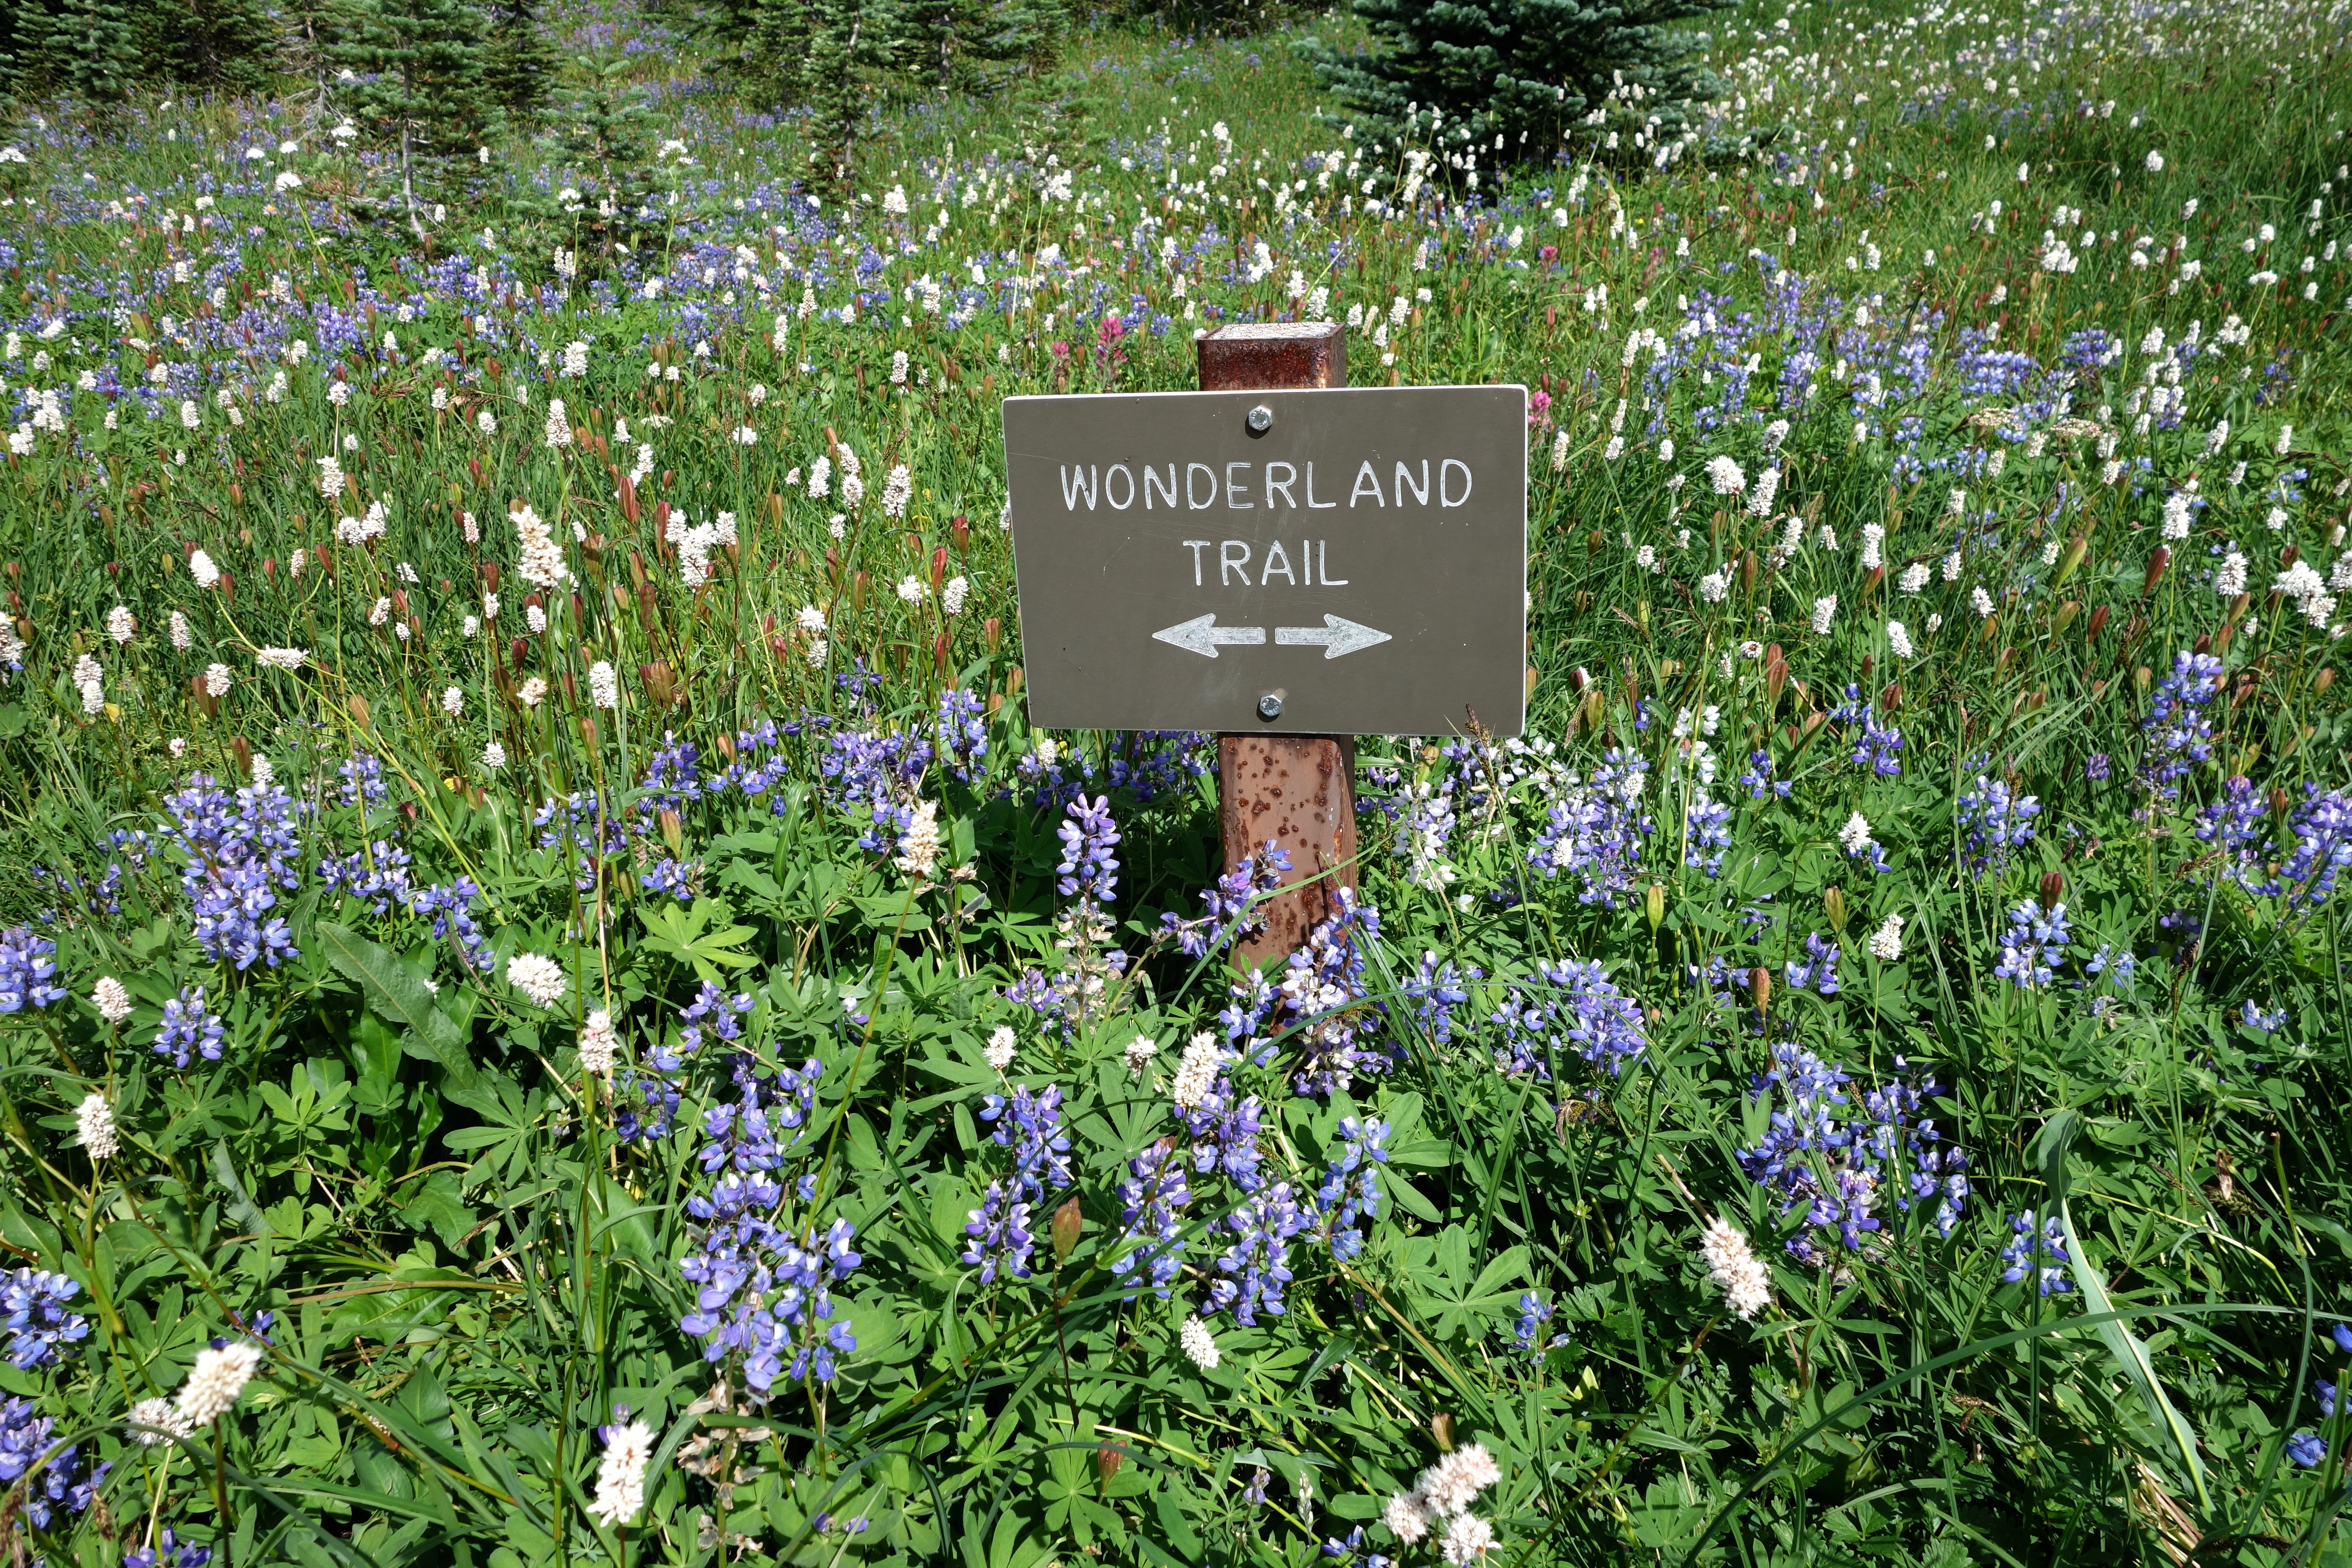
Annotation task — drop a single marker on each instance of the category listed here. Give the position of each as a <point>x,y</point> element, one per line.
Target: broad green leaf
<point>398,995</point>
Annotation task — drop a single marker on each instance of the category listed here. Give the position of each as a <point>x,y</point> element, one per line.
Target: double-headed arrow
<point>1336,636</point>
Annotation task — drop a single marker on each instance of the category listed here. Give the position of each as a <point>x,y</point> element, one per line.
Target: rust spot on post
<point>1297,790</point>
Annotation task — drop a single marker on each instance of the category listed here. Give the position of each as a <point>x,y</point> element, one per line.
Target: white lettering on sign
<point>1446,475</point>
<point>1190,498</point>
<point>1314,505</point>
<point>1234,556</point>
<point>1092,484</point>
<point>1404,478</point>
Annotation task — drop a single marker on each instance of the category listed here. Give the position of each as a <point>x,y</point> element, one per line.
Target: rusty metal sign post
<point>1283,559</point>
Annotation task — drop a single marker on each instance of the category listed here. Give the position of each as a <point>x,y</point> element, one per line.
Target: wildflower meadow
<point>555,1010</point>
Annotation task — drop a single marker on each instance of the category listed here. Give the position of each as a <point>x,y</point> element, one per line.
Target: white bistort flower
<point>1746,1284</point>
<point>111,999</point>
<point>1139,1054</point>
<point>1002,1044</point>
<point>154,1421</point>
<point>600,1044</point>
<point>94,1119</point>
<point>1200,1345</point>
<point>1824,612</point>
<point>1468,1539</point>
<point>1886,941</point>
<point>1898,640</point>
<point>603,685</point>
<point>1455,1482</point>
<point>621,1477</point>
<point>919,850</point>
<point>214,1382</point>
<point>1196,1074</point>
<point>537,976</point>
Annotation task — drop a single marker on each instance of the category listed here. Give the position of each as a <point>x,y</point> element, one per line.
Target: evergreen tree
<point>93,48</point>
<point>419,70</point>
<point>850,57</point>
<point>1465,72</point>
<point>606,126</point>
<point>519,69</point>
<point>212,43</point>
<point>970,45</point>
<point>1030,34</point>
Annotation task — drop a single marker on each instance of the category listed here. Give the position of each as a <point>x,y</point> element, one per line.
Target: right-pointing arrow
<point>1201,635</point>
<point>1336,635</point>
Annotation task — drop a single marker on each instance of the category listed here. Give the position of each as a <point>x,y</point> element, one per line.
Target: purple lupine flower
<point>2180,734</point>
<point>377,874</point>
<point>1997,821</point>
<point>2039,1251</point>
<point>27,971</point>
<point>240,856</point>
<point>2321,827</point>
<point>1002,1240</point>
<point>1350,1192</point>
<point>960,738</point>
<point>1567,1007</point>
<point>672,876</point>
<point>1232,903</point>
<point>1151,1202</point>
<point>1818,969</point>
<point>2034,945</point>
<point>1876,746</point>
<point>28,1439</point>
<point>189,1026</point>
<point>1818,1152</point>
<point>1030,1124</point>
<point>1257,1265</point>
<point>1089,872</point>
<point>33,1310</point>
<point>169,1552</point>
<point>1594,831</point>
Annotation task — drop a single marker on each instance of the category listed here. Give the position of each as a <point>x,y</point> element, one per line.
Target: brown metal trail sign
<point>1332,562</point>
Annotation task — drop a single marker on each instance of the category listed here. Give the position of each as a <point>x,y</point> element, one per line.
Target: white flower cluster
<point>214,1382</point>
<point>539,977</point>
<point>1746,1284</point>
<point>621,1477</point>
<point>1442,1497</point>
<point>1196,1074</point>
<point>541,563</point>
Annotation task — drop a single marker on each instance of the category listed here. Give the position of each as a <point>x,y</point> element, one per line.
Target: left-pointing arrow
<point>1201,635</point>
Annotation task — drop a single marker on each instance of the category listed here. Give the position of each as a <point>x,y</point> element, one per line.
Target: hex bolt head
<point>1259,419</point>
<point>1269,706</point>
